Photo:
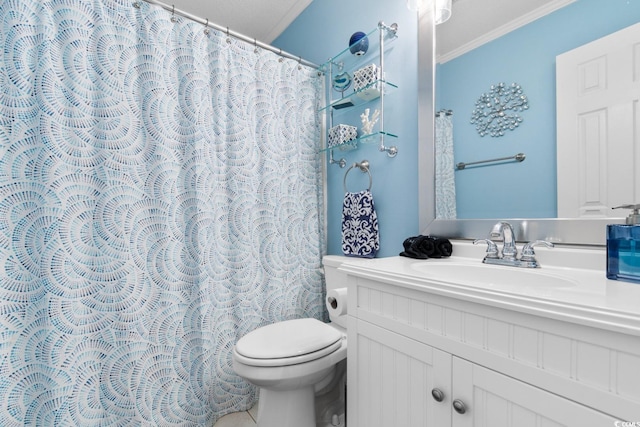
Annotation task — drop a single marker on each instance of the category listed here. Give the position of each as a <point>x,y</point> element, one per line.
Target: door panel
<point>598,122</point>
<point>496,400</point>
<point>393,381</point>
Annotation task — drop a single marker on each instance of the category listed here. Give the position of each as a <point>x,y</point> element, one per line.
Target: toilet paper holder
<point>336,301</point>
<point>333,302</point>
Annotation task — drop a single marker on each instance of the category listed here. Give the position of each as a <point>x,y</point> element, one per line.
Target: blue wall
<point>322,31</point>
<point>525,189</point>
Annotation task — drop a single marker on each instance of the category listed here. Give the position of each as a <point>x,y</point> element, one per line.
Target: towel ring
<point>364,167</point>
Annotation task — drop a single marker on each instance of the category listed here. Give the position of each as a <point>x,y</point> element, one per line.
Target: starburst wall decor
<point>497,110</point>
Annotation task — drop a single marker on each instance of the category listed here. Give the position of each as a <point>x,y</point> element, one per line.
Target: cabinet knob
<point>437,394</point>
<point>459,406</point>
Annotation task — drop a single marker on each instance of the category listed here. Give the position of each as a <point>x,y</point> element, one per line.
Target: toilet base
<point>287,408</point>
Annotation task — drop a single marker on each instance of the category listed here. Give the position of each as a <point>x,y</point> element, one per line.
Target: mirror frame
<point>569,231</point>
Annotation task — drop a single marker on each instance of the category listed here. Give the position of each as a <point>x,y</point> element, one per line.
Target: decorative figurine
<point>367,125</point>
<point>359,43</point>
<point>341,82</point>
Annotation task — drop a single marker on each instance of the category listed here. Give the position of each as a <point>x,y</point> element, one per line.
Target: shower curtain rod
<point>253,41</point>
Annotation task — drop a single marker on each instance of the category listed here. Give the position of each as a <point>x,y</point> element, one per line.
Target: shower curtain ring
<point>299,63</point>
<point>173,14</point>
<point>281,58</point>
<point>255,45</point>
<point>206,27</point>
<point>228,37</point>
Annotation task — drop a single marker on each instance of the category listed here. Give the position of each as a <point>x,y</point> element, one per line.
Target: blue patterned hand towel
<point>359,225</point>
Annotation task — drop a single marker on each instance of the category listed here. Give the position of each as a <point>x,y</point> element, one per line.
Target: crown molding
<point>504,29</point>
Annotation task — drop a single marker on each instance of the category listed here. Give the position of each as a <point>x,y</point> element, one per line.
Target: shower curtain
<point>160,196</point>
<point>445,179</point>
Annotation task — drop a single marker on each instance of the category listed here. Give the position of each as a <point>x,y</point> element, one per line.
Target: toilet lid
<point>289,338</point>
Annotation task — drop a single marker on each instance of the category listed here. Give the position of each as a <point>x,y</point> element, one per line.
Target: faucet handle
<point>492,248</point>
<point>528,253</point>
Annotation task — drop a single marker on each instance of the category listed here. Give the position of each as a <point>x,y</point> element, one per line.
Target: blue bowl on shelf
<point>359,43</point>
<point>341,81</point>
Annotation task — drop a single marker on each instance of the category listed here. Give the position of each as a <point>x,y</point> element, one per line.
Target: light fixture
<point>417,4</point>
<point>443,11</point>
<point>442,8</point>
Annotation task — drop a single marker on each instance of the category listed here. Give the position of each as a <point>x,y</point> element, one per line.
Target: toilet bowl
<point>293,360</point>
<point>288,381</point>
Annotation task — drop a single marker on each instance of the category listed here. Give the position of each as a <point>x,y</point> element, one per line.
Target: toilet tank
<point>335,279</point>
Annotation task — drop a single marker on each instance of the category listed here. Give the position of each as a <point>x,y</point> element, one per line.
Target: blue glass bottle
<point>623,248</point>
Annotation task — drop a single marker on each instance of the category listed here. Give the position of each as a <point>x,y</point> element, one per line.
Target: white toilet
<point>293,360</point>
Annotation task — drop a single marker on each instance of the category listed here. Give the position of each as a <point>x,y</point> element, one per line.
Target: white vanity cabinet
<point>412,343</point>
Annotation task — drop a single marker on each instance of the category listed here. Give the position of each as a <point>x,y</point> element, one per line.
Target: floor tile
<point>254,412</point>
<point>237,419</point>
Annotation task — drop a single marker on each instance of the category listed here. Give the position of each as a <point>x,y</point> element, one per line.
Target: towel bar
<point>518,158</point>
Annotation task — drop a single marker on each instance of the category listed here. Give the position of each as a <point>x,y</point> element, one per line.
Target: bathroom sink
<point>491,276</point>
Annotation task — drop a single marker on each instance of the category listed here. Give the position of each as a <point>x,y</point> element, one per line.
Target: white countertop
<point>588,299</point>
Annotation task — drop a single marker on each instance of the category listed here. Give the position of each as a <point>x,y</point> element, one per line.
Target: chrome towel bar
<point>518,158</point>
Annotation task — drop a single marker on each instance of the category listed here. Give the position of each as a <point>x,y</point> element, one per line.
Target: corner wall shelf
<point>375,88</point>
<point>366,93</point>
<point>365,139</point>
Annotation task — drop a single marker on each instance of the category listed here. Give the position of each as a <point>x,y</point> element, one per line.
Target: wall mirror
<point>528,225</point>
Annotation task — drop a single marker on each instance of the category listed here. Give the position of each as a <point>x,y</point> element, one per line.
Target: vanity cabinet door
<point>391,379</point>
<point>397,381</point>
<point>495,400</point>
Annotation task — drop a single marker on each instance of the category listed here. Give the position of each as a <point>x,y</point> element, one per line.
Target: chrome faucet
<point>509,249</point>
<point>509,255</point>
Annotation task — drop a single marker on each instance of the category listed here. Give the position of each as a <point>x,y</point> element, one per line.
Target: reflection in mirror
<point>524,52</point>
<point>526,56</point>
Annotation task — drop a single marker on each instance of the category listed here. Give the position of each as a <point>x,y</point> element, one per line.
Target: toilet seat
<point>287,343</point>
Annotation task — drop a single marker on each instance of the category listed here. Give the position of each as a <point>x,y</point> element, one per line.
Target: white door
<point>491,399</point>
<point>598,126</point>
<point>391,379</point>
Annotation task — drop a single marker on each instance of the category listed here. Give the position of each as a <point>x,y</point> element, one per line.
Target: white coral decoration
<point>367,125</point>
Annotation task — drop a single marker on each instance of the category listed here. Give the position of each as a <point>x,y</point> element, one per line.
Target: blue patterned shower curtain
<point>445,177</point>
<point>159,197</point>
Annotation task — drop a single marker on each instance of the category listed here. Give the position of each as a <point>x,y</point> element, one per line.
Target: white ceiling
<point>473,22</point>
<point>263,20</point>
